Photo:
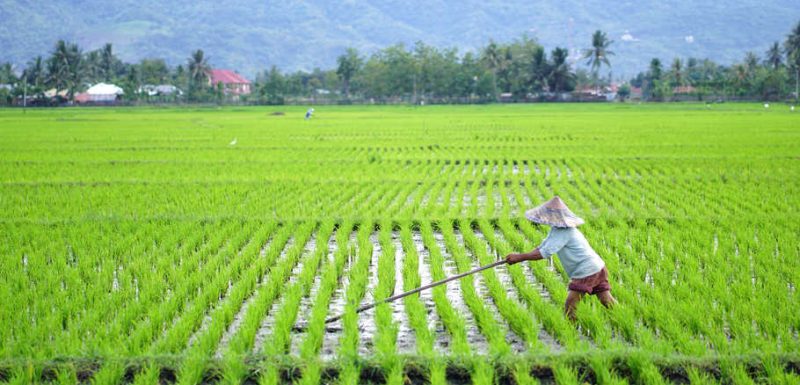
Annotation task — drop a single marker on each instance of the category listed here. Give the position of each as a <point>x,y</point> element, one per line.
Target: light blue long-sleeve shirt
<point>577,257</point>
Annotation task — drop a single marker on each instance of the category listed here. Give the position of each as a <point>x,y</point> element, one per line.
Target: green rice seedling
<point>331,276</point>
<point>643,370</point>
<point>776,374</point>
<point>386,337</point>
<point>565,374</point>
<point>149,374</point>
<point>270,289</point>
<point>414,307</point>
<point>698,377</point>
<point>603,372</point>
<point>734,372</point>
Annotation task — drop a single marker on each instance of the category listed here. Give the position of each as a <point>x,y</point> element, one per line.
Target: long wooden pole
<point>419,289</point>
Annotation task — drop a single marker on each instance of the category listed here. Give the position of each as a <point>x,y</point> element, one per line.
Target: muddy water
<point>441,337</point>
<point>239,317</point>
<point>338,302</point>
<point>475,339</point>
<point>406,340</point>
<point>266,325</point>
<point>517,344</point>
<point>307,302</point>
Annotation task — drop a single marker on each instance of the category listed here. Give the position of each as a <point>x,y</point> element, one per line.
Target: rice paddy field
<point>186,246</point>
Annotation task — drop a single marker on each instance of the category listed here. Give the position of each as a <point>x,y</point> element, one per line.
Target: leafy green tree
<point>153,71</point>
<point>768,84</point>
<point>599,53</point>
<point>348,64</point>
<point>7,75</point>
<point>271,86</point>
<point>132,82</point>
<point>180,78</point>
<point>624,92</point>
<point>653,78</point>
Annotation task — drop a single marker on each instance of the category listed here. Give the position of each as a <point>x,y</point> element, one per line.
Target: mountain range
<point>249,36</point>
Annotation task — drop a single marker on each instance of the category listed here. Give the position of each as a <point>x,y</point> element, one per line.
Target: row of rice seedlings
<point>272,282</point>
<point>70,329</point>
<point>498,347</point>
<point>359,273</point>
<point>513,313</point>
<point>453,322</point>
<point>187,282</point>
<point>626,316</point>
<point>110,280</point>
<point>516,316</point>
<point>251,267</point>
<point>397,203</point>
<point>416,310</point>
<point>386,337</point>
<point>178,334</point>
<point>458,191</point>
<point>39,263</point>
<point>151,283</point>
<point>367,209</point>
<point>285,318</point>
<point>643,282</point>
<point>331,278</point>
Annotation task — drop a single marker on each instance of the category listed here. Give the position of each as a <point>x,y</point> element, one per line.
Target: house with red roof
<point>232,83</point>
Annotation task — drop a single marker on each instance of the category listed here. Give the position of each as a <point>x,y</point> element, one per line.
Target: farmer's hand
<point>514,258</point>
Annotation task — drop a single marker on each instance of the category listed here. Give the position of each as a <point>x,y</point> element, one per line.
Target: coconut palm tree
<point>560,75</point>
<point>599,53</point>
<point>35,76</point>
<point>199,71</point>
<point>66,68</point>
<point>493,59</point>
<point>676,70</point>
<point>108,63</point>
<point>774,57</point>
<point>792,48</point>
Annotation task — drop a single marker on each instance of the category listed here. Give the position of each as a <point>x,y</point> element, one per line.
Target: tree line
<point>520,70</point>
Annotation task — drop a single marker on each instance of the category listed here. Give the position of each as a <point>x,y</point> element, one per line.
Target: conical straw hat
<point>554,213</point>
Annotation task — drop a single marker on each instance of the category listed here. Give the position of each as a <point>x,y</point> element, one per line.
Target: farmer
<point>309,113</point>
<point>587,272</point>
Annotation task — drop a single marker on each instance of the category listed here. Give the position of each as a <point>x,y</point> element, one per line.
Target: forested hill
<point>251,35</point>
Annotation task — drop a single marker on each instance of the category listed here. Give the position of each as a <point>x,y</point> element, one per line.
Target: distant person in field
<point>309,113</point>
<point>586,270</point>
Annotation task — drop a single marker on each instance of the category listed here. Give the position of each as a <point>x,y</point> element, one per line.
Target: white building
<point>104,93</point>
